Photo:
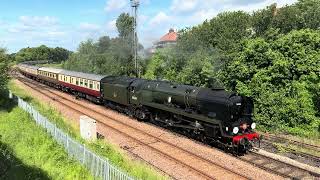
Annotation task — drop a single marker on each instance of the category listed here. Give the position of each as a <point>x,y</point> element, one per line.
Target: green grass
<point>113,153</point>
<point>28,152</point>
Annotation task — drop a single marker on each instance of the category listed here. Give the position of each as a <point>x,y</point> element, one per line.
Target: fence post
<point>108,169</point>
<point>55,133</point>
<point>84,154</point>
<point>67,137</point>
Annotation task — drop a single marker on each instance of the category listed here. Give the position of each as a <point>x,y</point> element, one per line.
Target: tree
<point>262,20</point>
<point>228,29</point>
<point>41,53</point>
<point>282,76</point>
<point>303,14</point>
<point>310,12</point>
<point>3,69</point>
<point>107,55</point>
<point>103,44</point>
<point>288,18</point>
<point>124,25</point>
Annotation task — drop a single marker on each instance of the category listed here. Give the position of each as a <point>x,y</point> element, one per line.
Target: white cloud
<point>115,5</point>
<point>111,25</point>
<point>38,20</point>
<point>85,26</point>
<point>160,18</point>
<point>183,5</point>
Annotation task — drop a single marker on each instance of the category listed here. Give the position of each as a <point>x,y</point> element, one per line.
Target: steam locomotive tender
<point>211,115</point>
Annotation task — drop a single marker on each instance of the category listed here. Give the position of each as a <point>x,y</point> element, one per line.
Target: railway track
<point>299,149</point>
<point>274,138</point>
<point>203,167</point>
<point>275,166</point>
<point>281,168</point>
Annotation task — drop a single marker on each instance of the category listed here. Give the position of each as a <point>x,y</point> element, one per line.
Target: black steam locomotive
<point>210,115</point>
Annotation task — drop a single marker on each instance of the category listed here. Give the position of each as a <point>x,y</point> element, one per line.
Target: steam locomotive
<point>214,116</point>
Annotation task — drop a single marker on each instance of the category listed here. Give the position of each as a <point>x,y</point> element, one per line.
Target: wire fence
<point>98,166</point>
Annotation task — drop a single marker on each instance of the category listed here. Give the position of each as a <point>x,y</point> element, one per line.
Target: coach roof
<point>52,70</point>
<point>94,77</point>
<point>28,66</point>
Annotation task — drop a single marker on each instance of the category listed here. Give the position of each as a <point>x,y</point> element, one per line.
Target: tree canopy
<point>4,67</point>
<point>107,55</point>
<point>41,53</point>
<point>283,77</point>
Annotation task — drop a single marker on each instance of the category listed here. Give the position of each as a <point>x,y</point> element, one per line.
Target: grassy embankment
<point>113,153</point>
<point>28,152</point>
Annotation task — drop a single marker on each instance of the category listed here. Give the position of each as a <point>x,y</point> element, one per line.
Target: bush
<point>283,78</point>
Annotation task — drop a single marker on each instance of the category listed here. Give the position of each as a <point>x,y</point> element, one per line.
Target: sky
<point>65,23</point>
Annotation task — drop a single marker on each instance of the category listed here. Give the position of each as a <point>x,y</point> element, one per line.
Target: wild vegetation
<point>28,152</point>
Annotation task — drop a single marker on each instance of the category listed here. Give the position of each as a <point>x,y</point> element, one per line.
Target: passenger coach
<point>82,84</point>
<point>49,76</point>
<point>29,71</point>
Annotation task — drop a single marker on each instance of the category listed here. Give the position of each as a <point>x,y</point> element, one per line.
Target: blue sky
<point>66,23</point>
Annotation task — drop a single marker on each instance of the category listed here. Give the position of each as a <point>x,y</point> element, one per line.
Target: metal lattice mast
<point>135,4</point>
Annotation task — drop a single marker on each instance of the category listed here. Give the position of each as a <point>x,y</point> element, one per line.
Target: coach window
<point>81,82</point>
<point>90,85</point>
<point>98,86</point>
<point>86,83</point>
<point>77,81</point>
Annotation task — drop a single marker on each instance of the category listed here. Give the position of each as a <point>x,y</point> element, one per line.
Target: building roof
<point>93,77</point>
<point>170,36</point>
